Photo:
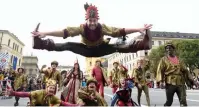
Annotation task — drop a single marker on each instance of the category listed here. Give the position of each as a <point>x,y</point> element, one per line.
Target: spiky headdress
<point>51,82</point>
<point>91,11</point>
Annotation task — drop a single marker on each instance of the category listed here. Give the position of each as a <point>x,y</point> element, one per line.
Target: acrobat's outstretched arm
<point>67,32</point>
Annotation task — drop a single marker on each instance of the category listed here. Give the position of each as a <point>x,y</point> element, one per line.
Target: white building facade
<point>10,44</point>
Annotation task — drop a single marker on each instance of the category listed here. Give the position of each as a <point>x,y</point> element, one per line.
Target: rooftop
<point>65,66</point>
<point>174,35</point>
<point>14,36</point>
<point>29,64</point>
<point>31,57</point>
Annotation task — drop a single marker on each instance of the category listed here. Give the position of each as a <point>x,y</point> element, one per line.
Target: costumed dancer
<point>173,73</point>
<point>20,82</point>
<point>88,96</point>
<point>72,83</point>
<point>122,97</point>
<point>42,97</point>
<point>93,42</point>
<point>52,73</point>
<point>140,80</point>
<point>123,71</point>
<point>115,74</point>
<point>99,74</point>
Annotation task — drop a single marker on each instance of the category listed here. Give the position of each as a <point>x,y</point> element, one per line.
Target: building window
<point>152,43</point>
<point>8,42</point>
<point>11,58</point>
<point>21,51</point>
<point>19,62</point>
<point>159,42</point>
<point>90,63</point>
<point>130,57</point>
<point>13,46</point>
<point>17,47</point>
<point>146,53</point>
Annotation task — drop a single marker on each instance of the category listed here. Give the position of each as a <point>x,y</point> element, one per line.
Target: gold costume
<point>40,98</point>
<point>175,76</point>
<point>115,76</point>
<point>20,81</point>
<point>106,30</point>
<point>54,75</point>
<point>140,78</point>
<point>83,97</point>
<point>123,73</point>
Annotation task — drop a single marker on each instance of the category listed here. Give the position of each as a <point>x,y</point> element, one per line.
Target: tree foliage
<point>186,50</point>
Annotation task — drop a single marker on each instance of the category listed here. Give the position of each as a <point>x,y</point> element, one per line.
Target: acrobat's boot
<point>47,44</point>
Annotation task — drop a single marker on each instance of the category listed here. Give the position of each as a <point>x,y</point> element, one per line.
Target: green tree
<point>186,50</point>
<point>155,55</point>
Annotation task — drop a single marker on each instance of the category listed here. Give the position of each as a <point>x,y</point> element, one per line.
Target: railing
<point>5,85</point>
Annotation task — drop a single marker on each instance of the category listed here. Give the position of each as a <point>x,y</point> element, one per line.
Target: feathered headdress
<point>91,11</point>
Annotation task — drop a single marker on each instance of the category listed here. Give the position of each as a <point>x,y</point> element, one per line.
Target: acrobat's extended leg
<point>135,46</point>
<point>49,45</point>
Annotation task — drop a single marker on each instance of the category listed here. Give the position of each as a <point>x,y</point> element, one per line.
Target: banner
<point>4,57</point>
<point>14,64</point>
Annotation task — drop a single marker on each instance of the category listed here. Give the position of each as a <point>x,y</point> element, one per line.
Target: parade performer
<point>123,95</point>
<point>20,82</point>
<point>42,97</point>
<point>115,74</point>
<point>52,73</point>
<point>100,75</point>
<point>140,79</point>
<point>123,71</point>
<point>92,33</point>
<point>173,73</point>
<point>72,82</point>
<point>88,96</point>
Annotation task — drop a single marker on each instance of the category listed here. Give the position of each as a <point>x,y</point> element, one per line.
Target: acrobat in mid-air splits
<point>92,32</point>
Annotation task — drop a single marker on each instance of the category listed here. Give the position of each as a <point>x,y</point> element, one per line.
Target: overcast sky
<point>21,17</point>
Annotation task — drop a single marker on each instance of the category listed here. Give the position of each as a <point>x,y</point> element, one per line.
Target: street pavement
<point>157,97</point>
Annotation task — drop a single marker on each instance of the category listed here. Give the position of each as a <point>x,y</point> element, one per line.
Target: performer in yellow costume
<point>20,82</point>
<point>119,71</point>
<point>174,74</point>
<point>88,96</point>
<point>140,80</point>
<point>43,97</point>
<point>52,73</point>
